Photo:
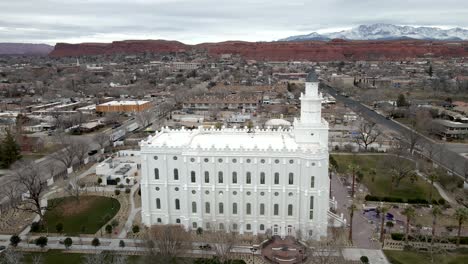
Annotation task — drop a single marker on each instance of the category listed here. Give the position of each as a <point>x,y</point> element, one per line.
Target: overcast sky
<point>196,21</point>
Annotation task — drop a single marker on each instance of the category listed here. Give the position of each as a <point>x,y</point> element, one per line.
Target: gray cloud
<point>195,21</point>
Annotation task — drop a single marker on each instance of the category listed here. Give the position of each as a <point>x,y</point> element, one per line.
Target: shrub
<point>117,192</point>
<point>127,190</point>
<point>398,236</point>
<point>15,240</point>
<point>36,227</point>
<point>364,259</point>
<point>108,229</point>
<point>41,241</point>
<point>59,227</point>
<point>121,185</point>
<point>135,229</point>
<point>68,242</point>
<point>114,223</point>
<point>95,242</point>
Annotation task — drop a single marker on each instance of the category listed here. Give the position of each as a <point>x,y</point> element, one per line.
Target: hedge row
<point>401,237</point>
<point>401,200</point>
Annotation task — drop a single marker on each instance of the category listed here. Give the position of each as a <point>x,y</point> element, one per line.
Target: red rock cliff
<point>280,51</point>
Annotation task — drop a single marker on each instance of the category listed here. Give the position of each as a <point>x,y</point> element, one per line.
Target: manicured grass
<point>85,216</point>
<point>410,257</point>
<point>381,185</point>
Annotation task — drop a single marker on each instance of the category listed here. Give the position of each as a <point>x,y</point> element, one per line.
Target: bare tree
<point>102,139</point>
<point>166,243</point>
<point>26,188</point>
<point>11,256</point>
<point>37,259</point>
<point>223,242</point>
<point>368,133</point>
<point>71,150</point>
<point>144,118</point>
<point>94,258</point>
<point>399,166</point>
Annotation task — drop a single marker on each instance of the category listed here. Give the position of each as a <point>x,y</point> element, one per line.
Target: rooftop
<point>111,103</point>
<point>230,138</point>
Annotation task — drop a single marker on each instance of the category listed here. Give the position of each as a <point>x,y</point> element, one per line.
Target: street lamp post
<point>253,250</point>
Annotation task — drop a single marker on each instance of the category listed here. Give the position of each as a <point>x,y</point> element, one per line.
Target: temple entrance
<point>275,230</point>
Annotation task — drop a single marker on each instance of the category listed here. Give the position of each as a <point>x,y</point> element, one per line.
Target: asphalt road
<point>448,158</point>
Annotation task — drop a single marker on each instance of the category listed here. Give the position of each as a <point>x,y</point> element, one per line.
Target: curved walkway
<point>133,213</point>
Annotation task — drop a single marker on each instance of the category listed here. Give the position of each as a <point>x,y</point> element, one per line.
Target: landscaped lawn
<point>381,185</point>
<point>410,257</point>
<point>85,216</point>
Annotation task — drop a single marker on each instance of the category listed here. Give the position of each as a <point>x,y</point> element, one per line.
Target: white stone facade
<point>236,179</point>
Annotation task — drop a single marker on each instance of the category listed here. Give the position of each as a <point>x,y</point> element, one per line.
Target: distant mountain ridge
<point>387,32</point>
<point>25,49</point>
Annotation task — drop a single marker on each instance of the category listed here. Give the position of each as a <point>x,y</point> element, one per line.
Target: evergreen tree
<point>430,72</point>
<point>9,151</point>
<point>401,101</point>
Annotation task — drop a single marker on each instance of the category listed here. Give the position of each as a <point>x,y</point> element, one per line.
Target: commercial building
<point>123,106</point>
<point>245,180</point>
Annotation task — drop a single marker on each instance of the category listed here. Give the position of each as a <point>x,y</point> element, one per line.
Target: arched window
<point>248,178</point>
<point>234,208</point>
<point>192,176</point>
<point>194,207</point>
<point>207,207</point>
<point>234,177</point>
<point>276,209</point>
<point>262,209</point>
<point>291,178</point>
<point>194,225</point>
<point>276,178</point>
<point>177,221</point>
<point>221,208</point>
<point>207,177</point>
<point>159,220</point>
<point>220,177</point>
<point>156,174</point>
<point>248,209</point>
<point>221,226</point>
<point>262,178</point>
<point>234,227</point>
<point>158,203</point>
<point>177,204</point>
<point>262,227</point>
<point>311,211</point>
<point>176,174</point>
<point>312,181</point>
<point>290,210</point>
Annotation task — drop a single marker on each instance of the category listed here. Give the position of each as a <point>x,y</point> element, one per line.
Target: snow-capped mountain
<point>387,32</point>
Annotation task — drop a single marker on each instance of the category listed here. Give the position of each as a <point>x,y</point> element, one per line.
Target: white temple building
<point>257,181</point>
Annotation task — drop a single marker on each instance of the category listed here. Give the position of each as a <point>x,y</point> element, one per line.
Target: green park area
<point>376,174</point>
<point>85,215</point>
<point>411,257</point>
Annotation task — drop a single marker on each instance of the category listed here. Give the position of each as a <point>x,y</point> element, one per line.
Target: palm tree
<point>435,213</point>
<point>461,214</point>
<point>351,209</point>
<point>432,177</point>
<point>353,168</point>
<point>410,213</point>
<point>383,212</point>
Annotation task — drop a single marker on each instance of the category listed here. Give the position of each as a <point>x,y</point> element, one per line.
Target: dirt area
<point>73,207</point>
